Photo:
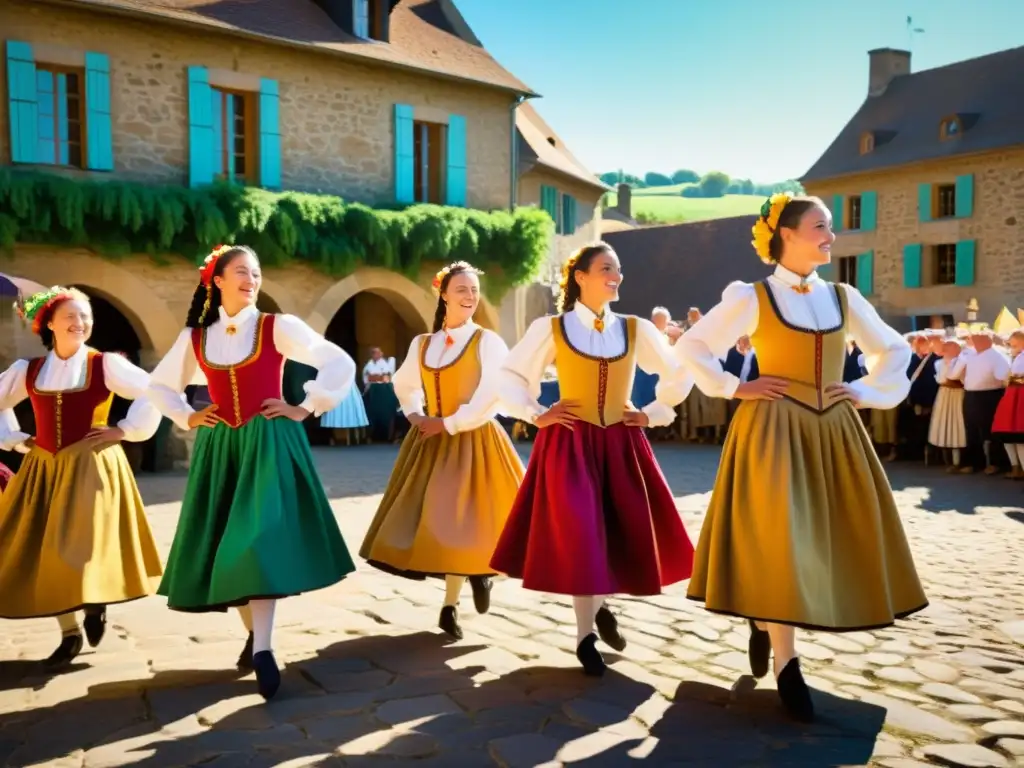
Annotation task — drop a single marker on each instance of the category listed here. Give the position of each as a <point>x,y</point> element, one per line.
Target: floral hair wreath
<point>458,266</point>
<point>767,223</point>
<point>37,307</point>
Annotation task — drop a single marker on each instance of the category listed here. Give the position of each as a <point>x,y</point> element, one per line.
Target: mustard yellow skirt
<point>74,533</point>
<point>802,528</point>
<point>446,504</point>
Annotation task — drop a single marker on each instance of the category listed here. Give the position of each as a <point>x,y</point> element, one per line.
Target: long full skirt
<point>802,528</point>
<point>946,429</point>
<point>594,516</point>
<point>349,414</point>
<point>1008,424</point>
<point>74,533</point>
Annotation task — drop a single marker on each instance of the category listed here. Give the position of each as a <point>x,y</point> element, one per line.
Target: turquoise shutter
<point>200,128</point>
<point>46,147</point>
<point>405,155</point>
<point>866,273</point>
<point>63,155</point>
<point>270,135</point>
<point>924,202</point>
<point>99,144</point>
<point>568,214</point>
<point>22,106</point>
<point>217,130</point>
<point>965,262</point>
<point>455,183</point>
<point>229,135</point>
<point>868,211</point>
<point>964,196</point>
<point>837,213</point>
<point>912,265</point>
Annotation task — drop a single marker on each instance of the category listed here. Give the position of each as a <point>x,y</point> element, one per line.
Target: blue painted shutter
<point>99,142</point>
<point>964,196</point>
<point>837,213</point>
<point>270,135</point>
<point>549,202</point>
<point>456,176</point>
<point>912,265</point>
<point>46,146</point>
<point>200,128</point>
<point>217,122</point>
<point>866,273</point>
<point>229,135</point>
<point>568,214</point>
<point>405,155</point>
<point>965,262</point>
<point>62,119</point>
<point>22,108</point>
<point>924,202</point>
<point>868,211</point>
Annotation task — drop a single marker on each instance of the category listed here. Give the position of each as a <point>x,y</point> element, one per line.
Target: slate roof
<point>987,92</point>
<point>536,148</point>
<point>426,35</point>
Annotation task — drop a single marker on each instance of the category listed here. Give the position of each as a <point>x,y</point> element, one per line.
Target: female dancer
<point>457,472</point>
<point>802,529</point>
<point>348,417</point>
<point>255,525</point>
<point>1008,425</point>
<point>946,430</point>
<point>74,529</point>
<point>594,515</point>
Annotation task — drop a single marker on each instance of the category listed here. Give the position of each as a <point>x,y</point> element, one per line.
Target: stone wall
<point>997,226</point>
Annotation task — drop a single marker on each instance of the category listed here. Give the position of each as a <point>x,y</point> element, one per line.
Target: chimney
<point>625,201</point>
<point>886,64</point>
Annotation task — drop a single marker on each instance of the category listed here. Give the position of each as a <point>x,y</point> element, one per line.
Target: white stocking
<point>262,624</point>
<point>586,609</point>
<point>1012,452</point>
<point>69,624</point>
<point>453,588</point>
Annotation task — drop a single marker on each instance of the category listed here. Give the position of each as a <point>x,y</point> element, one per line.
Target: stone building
<point>926,187</point>
<point>377,101</point>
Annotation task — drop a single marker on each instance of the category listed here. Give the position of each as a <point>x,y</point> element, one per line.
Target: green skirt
<point>255,522</point>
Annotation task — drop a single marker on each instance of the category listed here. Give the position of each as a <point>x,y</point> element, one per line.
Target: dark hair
<point>46,314</point>
<point>196,317</point>
<point>578,262</point>
<point>790,218</point>
<point>457,268</point>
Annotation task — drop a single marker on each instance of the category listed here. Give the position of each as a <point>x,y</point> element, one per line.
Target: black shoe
<point>590,657</point>
<point>759,651</point>
<point>795,695</point>
<point>481,592</point>
<point>244,662</point>
<point>70,646</point>
<point>95,624</point>
<point>608,629</point>
<point>449,622</point>
<point>268,676</point>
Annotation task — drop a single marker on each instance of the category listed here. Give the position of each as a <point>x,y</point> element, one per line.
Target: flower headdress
<point>206,275</point>
<point>767,223</point>
<point>36,308</point>
<point>460,266</point>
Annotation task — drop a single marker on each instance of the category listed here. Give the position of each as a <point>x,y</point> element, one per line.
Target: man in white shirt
<point>984,375</point>
<point>379,395</point>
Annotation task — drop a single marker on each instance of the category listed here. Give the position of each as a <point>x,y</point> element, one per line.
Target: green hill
<point>665,205</point>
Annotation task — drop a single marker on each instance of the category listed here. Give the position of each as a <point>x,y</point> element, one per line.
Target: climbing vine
<point>118,218</point>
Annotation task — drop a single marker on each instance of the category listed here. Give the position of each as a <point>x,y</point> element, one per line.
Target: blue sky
<point>755,89</point>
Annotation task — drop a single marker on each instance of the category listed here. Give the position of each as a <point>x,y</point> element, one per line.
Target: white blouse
<point>942,369</point>
<point>56,375</point>
<point>982,371</point>
<point>520,376</point>
<point>484,404</point>
<point>1016,366</point>
<point>886,353</point>
<point>292,338</point>
<point>383,367</point>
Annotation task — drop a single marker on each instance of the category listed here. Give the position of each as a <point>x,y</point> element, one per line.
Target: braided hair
<point>207,299</point>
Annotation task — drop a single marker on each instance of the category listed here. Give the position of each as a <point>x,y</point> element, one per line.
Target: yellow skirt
<point>802,528</point>
<point>445,505</point>
<point>74,533</point>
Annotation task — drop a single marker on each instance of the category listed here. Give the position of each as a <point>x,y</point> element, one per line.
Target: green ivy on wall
<point>118,218</point>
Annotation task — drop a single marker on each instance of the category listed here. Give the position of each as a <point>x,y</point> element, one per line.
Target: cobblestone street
<point>369,679</point>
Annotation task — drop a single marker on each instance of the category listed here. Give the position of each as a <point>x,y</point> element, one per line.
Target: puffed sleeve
<point>406,380</point>
<point>655,356</point>
<point>702,348</point>
<point>519,378</point>
<point>484,404</point>
<point>168,380</point>
<point>12,392</point>
<point>132,383</point>
<point>335,369</point>
<point>886,356</point>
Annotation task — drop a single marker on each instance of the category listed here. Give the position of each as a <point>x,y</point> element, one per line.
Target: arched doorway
<point>374,318</point>
<point>112,331</point>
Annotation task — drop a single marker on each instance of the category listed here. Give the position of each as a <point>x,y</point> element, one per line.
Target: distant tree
<point>714,184</point>
<point>611,178</point>
<point>654,179</point>
<point>685,176</point>
<point>694,190</point>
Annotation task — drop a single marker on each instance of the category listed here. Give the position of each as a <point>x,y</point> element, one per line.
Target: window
<point>867,143</point>
<point>429,162</point>
<point>234,139</point>
<point>945,201</point>
<point>848,270</point>
<point>944,264</point>
<point>60,99</point>
<point>950,128</point>
<point>361,18</point>
<point>853,211</point>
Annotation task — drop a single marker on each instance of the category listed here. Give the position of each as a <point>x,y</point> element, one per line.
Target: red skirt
<point>594,516</point>
<point>1008,423</point>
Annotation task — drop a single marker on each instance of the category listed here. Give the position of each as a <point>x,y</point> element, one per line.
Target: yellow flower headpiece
<point>459,266</point>
<point>766,224</point>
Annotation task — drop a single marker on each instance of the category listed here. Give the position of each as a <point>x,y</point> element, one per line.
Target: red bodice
<point>240,389</point>
<point>64,418</point>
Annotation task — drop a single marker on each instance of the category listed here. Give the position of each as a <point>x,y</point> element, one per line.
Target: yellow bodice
<point>601,386</point>
<point>808,360</point>
<point>453,384</point>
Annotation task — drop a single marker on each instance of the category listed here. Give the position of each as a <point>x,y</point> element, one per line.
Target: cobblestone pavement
<point>370,680</point>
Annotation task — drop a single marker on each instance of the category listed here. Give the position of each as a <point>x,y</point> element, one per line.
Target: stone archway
<point>274,294</point>
<point>414,304</point>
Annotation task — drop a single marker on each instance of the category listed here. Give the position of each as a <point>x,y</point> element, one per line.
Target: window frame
<point>854,223</point>
<point>250,120</point>
<point>425,194</point>
<point>846,270</point>
<point>938,254</point>
<point>55,70</point>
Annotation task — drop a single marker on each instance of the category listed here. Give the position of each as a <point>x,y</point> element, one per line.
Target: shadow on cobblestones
<point>963,494</point>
